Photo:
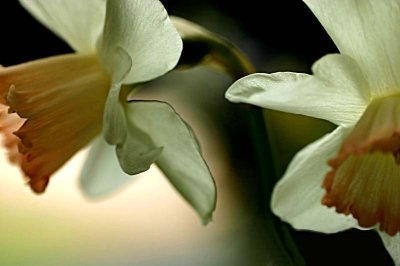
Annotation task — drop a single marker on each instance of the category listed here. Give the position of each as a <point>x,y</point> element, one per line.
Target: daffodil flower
<point>53,107</point>
<point>350,177</point>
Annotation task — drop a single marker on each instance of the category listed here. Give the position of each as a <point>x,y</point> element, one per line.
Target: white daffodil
<point>57,105</point>
<point>353,171</point>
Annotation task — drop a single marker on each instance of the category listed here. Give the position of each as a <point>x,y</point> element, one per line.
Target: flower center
<point>62,99</point>
<point>365,176</point>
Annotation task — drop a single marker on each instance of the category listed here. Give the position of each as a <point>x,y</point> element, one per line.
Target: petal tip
<point>206,220</point>
<point>39,185</point>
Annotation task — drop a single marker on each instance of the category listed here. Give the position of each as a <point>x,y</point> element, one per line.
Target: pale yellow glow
<point>144,220</point>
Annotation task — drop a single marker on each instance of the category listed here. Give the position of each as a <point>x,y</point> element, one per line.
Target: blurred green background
<point>147,223</point>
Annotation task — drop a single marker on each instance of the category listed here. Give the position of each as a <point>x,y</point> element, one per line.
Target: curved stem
<point>201,46</point>
<point>265,168</point>
<point>266,181</point>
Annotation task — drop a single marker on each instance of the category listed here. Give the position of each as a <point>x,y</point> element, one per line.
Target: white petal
<point>137,152</point>
<point>114,124</point>
<point>144,31</point>
<point>367,31</point>
<point>297,196</point>
<point>135,149</point>
<point>392,244</point>
<point>77,22</point>
<point>333,93</point>
<point>101,173</point>
<point>180,160</point>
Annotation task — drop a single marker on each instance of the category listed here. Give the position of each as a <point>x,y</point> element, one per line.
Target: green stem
<point>267,179</point>
<point>212,50</point>
<point>266,165</point>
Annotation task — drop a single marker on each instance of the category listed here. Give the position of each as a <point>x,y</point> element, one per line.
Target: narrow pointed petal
<point>392,244</point>
<point>144,31</point>
<point>77,22</point>
<point>62,99</point>
<point>180,159</point>
<point>371,37</point>
<point>297,196</point>
<point>333,93</point>
<point>101,173</point>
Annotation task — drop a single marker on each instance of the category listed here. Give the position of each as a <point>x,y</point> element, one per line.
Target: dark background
<point>284,27</point>
<point>266,31</point>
